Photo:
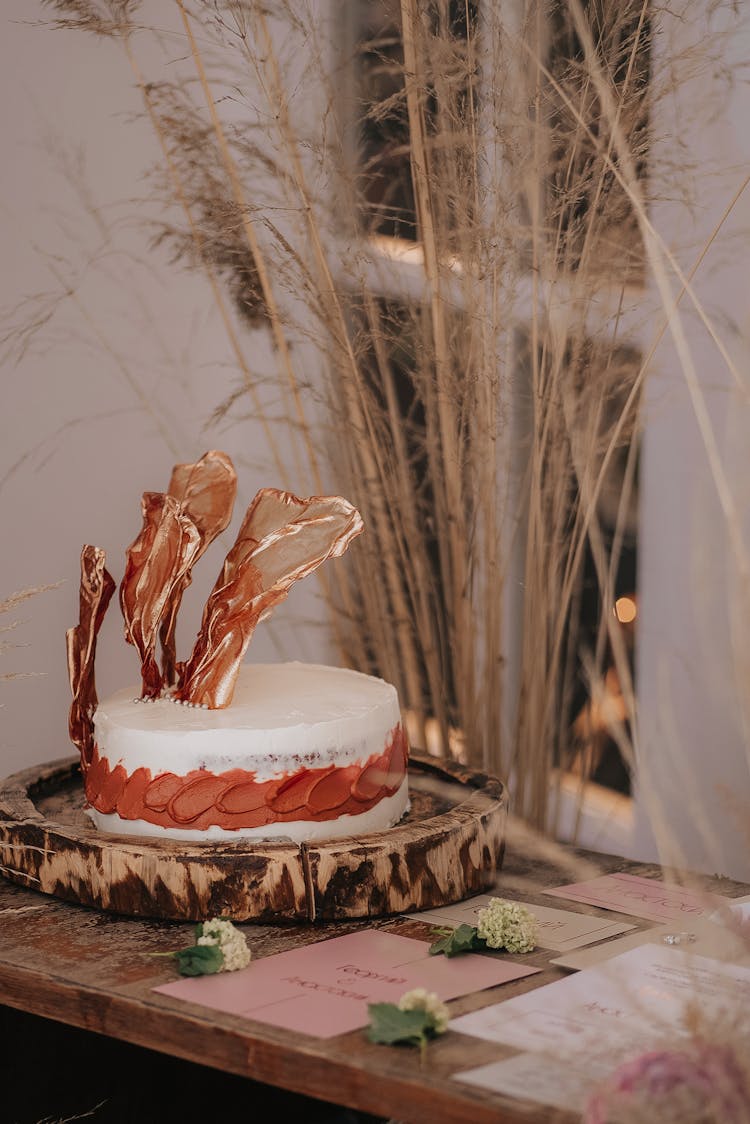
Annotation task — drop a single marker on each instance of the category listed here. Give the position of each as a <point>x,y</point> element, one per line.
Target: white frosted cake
<point>208,747</point>
<point>303,752</point>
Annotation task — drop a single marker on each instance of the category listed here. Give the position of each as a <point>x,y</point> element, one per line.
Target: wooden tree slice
<point>449,846</point>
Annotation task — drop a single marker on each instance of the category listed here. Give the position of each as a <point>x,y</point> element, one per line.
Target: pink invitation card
<point>640,897</point>
<point>323,989</point>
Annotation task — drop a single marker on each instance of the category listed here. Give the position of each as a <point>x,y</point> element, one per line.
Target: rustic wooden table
<point>89,969</point>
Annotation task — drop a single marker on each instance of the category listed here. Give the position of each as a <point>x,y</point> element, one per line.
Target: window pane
<point>444,60</point>
<point>581,557</point>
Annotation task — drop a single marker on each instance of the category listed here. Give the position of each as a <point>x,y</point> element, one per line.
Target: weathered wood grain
<point>58,851</point>
<point>93,970</point>
<point>449,846</point>
<point>410,867</point>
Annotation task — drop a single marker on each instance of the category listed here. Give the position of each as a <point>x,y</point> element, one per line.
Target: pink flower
<point>704,1078</point>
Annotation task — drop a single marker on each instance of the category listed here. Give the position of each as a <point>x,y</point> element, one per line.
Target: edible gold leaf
<point>97,587</point>
<point>157,562</point>
<point>205,491</point>
<point>283,538</point>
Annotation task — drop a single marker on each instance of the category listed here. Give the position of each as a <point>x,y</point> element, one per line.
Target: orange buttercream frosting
<point>234,799</point>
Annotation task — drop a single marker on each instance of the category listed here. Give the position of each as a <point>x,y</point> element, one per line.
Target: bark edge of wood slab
<point>448,847</point>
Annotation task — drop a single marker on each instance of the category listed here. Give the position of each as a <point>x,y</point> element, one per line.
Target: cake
<point>211,747</point>
<point>303,752</point>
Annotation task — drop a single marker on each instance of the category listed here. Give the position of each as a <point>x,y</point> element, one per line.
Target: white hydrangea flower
<point>419,999</point>
<point>508,925</point>
<point>230,940</point>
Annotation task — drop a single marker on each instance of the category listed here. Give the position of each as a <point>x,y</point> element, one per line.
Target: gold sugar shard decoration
<point>205,491</point>
<point>158,562</point>
<point>283,538</point>
<point>97,587</point>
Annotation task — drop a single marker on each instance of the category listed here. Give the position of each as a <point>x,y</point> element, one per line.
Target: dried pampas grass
<point>8,605</point>
<point>437,211</point>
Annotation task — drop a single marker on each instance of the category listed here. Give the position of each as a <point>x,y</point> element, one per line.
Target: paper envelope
<point>711,939</point>
<point>560,930</point>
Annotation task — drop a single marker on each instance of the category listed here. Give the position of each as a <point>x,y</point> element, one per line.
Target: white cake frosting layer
<point>385,814</point>
<point>283,717</point>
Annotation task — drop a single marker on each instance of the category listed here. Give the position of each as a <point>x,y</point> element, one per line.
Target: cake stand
<point>448,847</point>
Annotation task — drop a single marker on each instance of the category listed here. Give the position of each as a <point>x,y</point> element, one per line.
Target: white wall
<point>694,618</point>
<point>118,385</point>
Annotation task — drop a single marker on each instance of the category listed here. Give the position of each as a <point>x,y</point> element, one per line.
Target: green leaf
<point>389,1025</point>
<point>200,960</point>
<point>442,944</point>
<point>457,941</point>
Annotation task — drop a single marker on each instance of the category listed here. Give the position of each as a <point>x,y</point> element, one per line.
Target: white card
<point>559,929</point>
<point>619,1006</point>
<point>552,1082</point>
<point>739,907</point>
<point>700,938</point>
